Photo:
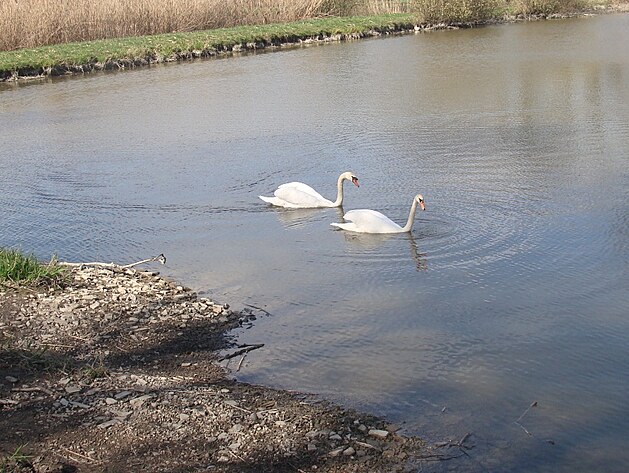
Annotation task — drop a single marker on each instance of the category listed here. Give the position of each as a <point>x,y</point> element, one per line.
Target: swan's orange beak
<point>355,181</point>
<point>421,204</point>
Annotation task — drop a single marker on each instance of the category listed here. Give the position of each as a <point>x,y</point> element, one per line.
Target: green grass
<point>17,461</point>
<point>17,267</point>
<point>94,370</point>
<point>167,45</point>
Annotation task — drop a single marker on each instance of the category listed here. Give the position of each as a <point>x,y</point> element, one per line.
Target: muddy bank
<point>118,370</point>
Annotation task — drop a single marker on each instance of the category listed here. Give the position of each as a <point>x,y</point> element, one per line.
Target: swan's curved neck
<point>411,217</point>
<point>339,192</point>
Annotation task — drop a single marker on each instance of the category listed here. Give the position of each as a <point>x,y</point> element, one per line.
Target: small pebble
<point>380,434</point>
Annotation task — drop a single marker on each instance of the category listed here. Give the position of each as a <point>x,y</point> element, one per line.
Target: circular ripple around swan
<point>477,232</point>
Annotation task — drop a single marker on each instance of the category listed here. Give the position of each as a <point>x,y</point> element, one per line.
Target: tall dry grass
<point>31,23</point>
<point>437,11</point>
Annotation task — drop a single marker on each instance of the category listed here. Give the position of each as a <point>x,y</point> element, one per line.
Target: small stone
<point>79,404</point>
<point>110,400</point>
<point>348,452</point>
<point>122,415</point>
<point>185,365</point>
<point>72,389</point>
<point>336,437</point>
<point>109,423</point>
<point>377,433</point>
<point>235,429</point>
<point>122,395</point>
<point>336,452</point>
<point>11,379</point>
<point>184,417</point>
<point>312,447</point>
<point>138,401</point>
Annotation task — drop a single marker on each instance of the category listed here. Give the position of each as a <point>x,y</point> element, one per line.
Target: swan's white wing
<point>300,186</point>
<point>370,221</point>
<point>301,195</point>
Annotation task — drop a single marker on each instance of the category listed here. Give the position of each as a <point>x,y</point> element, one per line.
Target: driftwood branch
<point>533,404</point>
<point>258,308</point>
<point>159,258</point>
<point>79,455</point>
<point>244,349</point>
<point>240,362</point>
<point>460,445</point>
<point>33,389</point>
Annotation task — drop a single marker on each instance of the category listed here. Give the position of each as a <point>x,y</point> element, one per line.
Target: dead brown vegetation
<point>31,23</point>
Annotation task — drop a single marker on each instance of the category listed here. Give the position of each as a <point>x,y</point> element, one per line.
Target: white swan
<point>297,195</point>
<point>370,221</point>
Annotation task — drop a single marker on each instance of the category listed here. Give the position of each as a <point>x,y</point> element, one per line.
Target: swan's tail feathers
<point>282,203</point>
<point>344,226</point>
<point>270,200</point>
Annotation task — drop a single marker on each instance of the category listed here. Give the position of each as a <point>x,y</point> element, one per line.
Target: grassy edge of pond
<point>144,50</point>
<point>19,268</point>
<point>130,52</point>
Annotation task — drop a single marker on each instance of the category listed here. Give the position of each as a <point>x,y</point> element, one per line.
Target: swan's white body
<point>297,195</point>
<point>370,221</point>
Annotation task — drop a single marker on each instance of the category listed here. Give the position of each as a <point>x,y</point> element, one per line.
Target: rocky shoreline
<point>118,370</point>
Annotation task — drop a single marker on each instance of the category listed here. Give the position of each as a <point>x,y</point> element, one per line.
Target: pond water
<point>512,287</point>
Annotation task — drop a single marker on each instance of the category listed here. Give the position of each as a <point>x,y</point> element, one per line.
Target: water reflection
<point>370,242</point>
<point>300,217</point>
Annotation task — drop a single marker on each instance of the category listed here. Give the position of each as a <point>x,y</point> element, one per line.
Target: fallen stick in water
<point>245,349</point>
<point>517,422</point>
<point>159,258</point>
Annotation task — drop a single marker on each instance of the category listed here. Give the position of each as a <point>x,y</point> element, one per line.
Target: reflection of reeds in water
<point>31,23</point>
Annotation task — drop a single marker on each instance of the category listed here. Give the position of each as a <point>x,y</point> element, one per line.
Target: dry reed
<point>32,23</point>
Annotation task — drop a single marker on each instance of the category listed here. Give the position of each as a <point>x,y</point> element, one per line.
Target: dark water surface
<point>512,287</point>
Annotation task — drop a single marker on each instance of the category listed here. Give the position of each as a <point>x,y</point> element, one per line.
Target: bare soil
<point>118,371</point>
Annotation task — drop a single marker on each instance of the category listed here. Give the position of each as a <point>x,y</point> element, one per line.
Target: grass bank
<point>81,52</point>
<point>134,51</point>
<point>16,267</point>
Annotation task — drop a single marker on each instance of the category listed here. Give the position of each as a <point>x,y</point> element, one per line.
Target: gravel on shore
<point>118,370</point>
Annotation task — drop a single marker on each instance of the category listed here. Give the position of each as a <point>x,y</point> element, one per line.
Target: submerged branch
<point>245,349</point>
<point>159,258</point>
<point>517,422</point>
